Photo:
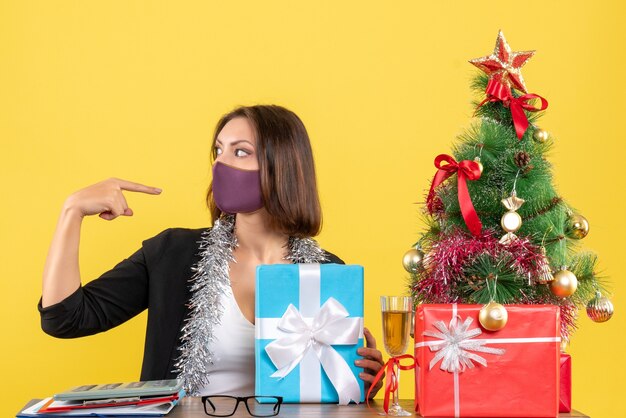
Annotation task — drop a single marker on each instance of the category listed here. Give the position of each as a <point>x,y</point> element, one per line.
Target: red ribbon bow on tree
<point>465,170</point>
<point>498,92</point>
<point>391,379</point>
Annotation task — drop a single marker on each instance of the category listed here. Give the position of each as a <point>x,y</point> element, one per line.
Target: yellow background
<point>133,89</point>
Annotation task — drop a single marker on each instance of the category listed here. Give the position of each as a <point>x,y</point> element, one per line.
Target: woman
<point>264,206</point>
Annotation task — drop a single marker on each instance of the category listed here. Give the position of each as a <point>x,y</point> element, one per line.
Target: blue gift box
<point>309,324</point>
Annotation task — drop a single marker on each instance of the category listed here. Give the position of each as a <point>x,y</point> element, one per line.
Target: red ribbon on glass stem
<point>465,170</point>
<point>391,379</point>
<point>498,92</point>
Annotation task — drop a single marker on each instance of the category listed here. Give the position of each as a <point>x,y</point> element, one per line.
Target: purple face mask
<point>236,190</point>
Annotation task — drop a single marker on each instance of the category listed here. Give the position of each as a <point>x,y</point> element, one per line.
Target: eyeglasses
<point>257,406</point>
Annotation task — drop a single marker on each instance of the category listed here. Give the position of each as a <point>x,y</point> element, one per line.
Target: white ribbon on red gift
<point>455,344</point>
<point>306,340</point>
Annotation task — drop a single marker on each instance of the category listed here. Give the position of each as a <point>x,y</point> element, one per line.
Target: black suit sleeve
<point>332,258</point>
<point>113,298</point>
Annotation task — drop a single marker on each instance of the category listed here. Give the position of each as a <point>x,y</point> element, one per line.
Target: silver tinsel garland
<point>209,281</point>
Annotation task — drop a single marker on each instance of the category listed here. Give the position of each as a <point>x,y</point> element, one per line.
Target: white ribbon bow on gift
<point>456,346</point>
<point>330,326</point>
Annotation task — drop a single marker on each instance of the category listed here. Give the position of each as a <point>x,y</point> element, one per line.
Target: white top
<point>232,371</point>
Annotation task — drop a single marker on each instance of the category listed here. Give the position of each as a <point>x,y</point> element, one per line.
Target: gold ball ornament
<point>577,226</point>
<point>600,308</point>
<point>480,165</point>
<point>493,316</point>
<point>541,136</point>
<point>412,260</point>
<point>511,221</point>
<point>564,283</point>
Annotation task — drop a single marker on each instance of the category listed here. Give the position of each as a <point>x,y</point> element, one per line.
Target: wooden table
<point>191,407</point>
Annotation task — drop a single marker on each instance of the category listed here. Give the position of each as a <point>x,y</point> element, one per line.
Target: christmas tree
<point>498,232</point>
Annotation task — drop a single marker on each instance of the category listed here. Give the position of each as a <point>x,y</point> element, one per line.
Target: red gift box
<point>513,372</point>
<point>565,394</point>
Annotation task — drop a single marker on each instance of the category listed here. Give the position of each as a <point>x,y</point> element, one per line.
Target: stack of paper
<point>151,398</point>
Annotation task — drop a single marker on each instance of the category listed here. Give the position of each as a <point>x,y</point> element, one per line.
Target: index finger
<point>370,341</point>
<point>137,187</point>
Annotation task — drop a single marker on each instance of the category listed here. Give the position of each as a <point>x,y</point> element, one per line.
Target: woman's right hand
<point>106,198</point>
<point>61,276</point>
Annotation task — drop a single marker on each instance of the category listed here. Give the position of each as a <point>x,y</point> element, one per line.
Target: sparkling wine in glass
<point>396,312</point>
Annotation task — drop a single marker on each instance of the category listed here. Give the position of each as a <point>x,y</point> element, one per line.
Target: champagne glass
<point>396,312</point>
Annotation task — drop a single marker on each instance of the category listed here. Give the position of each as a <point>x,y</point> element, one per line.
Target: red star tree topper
<point>504,65</point>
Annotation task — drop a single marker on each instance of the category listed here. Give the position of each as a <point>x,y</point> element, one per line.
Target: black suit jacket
<point>155,277</point>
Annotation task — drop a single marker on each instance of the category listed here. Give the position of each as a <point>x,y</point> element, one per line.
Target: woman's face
<point>236,145</point>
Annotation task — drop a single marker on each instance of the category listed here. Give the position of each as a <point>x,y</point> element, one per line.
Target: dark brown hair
<point>287,171</point>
